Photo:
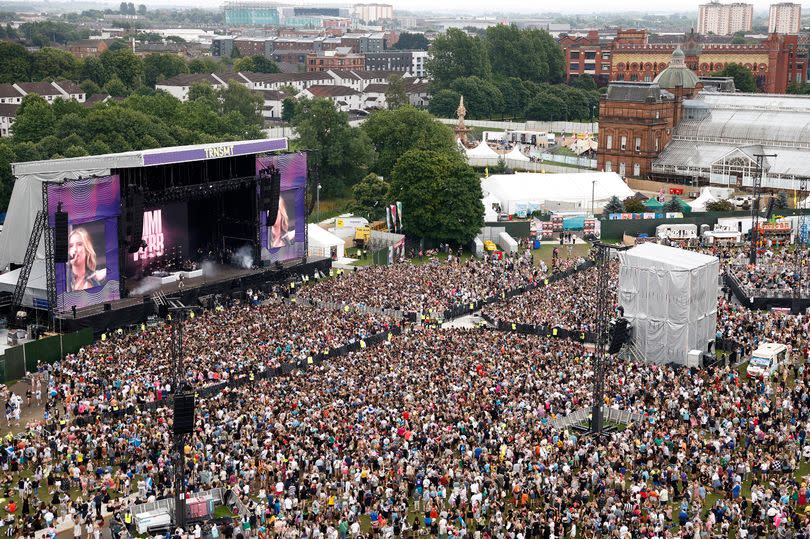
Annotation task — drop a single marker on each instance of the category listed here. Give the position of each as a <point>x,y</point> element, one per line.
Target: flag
<point>486,172</point>
<point>399,213</point>
<point>394,216</point>
<point>388,217</point>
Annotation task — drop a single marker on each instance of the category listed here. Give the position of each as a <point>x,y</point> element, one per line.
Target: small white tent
<point>516,155</point>
<point>699,204</point>
<point>490,214</point>
<point>324,243</point>
<point>482,151</point>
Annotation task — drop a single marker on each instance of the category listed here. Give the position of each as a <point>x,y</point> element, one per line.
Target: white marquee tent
<point>699,204</point>
<point>482,151</point>
<point>670,297</point>
<point>321,242</point>
<point>516,155</point>
<point>526,190</point>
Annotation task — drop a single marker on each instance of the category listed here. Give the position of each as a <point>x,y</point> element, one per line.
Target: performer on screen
<point>280,233</point>
<point>82,272</point>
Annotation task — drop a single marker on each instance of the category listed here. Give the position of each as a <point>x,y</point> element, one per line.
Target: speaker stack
<point>183,413</point>
<point>60,236</point>
<point>269,193</point>
<point>134,219</point>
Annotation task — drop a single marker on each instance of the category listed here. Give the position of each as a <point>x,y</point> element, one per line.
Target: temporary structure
<point>670,297</point>
<point>699,204</point>
<point>321,242</point>
<point>482,151</point>
<point>516,155</point>
<point>572,191</point>
<point>653,204</point>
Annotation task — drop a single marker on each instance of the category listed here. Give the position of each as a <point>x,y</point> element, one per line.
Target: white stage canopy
<point>522,190</point>
<point>482,151</point>
<point>670,297</point>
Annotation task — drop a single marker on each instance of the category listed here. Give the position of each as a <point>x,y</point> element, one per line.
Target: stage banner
<point>91,275</point>
<point>287,238</point>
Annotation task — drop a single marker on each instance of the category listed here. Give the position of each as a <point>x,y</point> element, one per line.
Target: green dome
<point>677,75</point>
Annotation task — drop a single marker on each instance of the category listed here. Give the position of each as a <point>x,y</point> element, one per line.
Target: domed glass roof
<point>677,75</point>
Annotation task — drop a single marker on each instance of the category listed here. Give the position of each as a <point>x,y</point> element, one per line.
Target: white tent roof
<point>322,237</point>
<point>490,215</point>
<point>699,204</point>
<point>580,146</point>
<point>573,187</point>
<point>516,155</point>
<point>654,255</point>
<point>482,151</point>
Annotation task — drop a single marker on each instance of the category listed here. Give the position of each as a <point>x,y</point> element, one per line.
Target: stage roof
<point>145,158</point>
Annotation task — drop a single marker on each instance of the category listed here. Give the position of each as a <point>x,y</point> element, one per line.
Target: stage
<point>216,279</point>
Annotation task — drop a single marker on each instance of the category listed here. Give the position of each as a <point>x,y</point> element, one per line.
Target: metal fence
<point>396,314</point>
<point>546,127</point>
<point>609,414</point>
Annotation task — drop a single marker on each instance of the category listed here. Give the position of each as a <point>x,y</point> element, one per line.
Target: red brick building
<point>775,62</point>
<point>339,59</point>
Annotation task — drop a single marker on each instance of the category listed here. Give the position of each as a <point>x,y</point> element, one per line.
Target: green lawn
<point>547,248</point>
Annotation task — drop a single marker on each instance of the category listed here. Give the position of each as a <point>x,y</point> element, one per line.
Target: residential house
<point>179,85</point>
<point>345,99</point>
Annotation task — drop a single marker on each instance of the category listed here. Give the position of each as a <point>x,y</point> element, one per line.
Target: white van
<point>766,359</point>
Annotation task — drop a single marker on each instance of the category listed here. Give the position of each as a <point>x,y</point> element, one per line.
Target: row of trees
<point>69,129</point>
<point>117,71</point>
<point>401,155</point>
<point>506,72</point>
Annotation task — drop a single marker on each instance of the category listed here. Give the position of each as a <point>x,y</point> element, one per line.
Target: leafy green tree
<point>634,205</point>
<point>482,99</point>
<point>245,64</point>
<point>7,157</point>
<point>34,119</point>
<point>93,69</point>
<point>614,205</point>
<point>16,64</point>
<point>395,94</point>
<point>455,55</point>
<point>584,82</point>
<point>719,205</point>
<point>288,108</point>
<point>239,98</point>
<point>142,10</point>
<point>440,195</point>
<point>516,95</point>
<point>744,80</point>
<point>546,107</point>
<point>672,205</point>
<point>342,153</point>
<point>116,88</point>
<point>443,104</point>
<point>204,65</point>
<point>412,41</point>
<point>75,151</point>
<point>394,132</point>
<point>264,65</point>
<point>53,64</point>
<point>203,91</point>
<point>90,88</point>
<point>513,53</point>
<point>782,201</point>
<point>124,64</point>
<point>369,197</point>
<point>158,67</point>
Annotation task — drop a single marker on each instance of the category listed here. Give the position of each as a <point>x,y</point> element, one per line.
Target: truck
<point>766,359</point>
<point>361,236</point>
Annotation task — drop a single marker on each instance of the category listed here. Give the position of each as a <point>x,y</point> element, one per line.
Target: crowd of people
<point>433,432</point>
<point>435,286</point>
<point>778,271</point>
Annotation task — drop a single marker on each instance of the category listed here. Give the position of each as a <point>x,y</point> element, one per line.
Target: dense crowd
<point>434,432</point>
<point>778,271</point>
<point>435,286</point>
<point>568,303</point>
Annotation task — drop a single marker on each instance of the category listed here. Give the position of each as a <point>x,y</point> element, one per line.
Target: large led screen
<point>286,238</point>
<point>91,274</point>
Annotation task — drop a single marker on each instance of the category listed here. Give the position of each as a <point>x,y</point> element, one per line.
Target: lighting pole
<point>593,192</point>
<point>757,185</point>
<point>318,203</point>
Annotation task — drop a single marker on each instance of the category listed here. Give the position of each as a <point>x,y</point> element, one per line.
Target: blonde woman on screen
<point>280,233</point>
<point>82,262</point>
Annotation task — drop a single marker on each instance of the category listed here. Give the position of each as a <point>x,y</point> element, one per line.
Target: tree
<point>409,41</point>
<point>614,205</point>
<point>781,200</point>
<point>394,132</point>
<point>440,195</point>
<point>203,65</point>
<point>369,197</point>
<point>444,103</point>
<point>584,82</point>
<point>142,10</point>
<point>201,91</point>
<point>158,67</point>
<point>744,80</point>
<point>546,107</point>
<point>239,98</point>
<point>633,205</point>
<point>288,108</point>
<point>93,69</point>
<point>15,66</point>
<point>395,94</point>
<point>672,205</point>
<point>719,205</point>
<point>7,157</point>
<point>122,8</point>
<point>516,95</point>
<point>244,64</point>
<point>455,55</point>
<point>116,88</point>
<point>125,64</point>
<point>342,153</point>
<point>53,64</point>
<point>264,65</point>
<point>482,99</point>
<point>34,119</point>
